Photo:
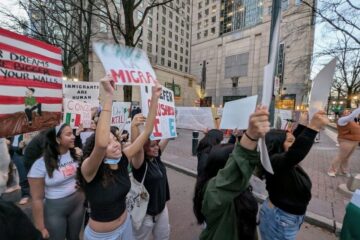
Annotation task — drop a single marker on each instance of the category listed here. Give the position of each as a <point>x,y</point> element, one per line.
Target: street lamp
<point>356,101</point>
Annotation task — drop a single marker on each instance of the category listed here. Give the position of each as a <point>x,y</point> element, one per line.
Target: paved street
<point>327,201</point>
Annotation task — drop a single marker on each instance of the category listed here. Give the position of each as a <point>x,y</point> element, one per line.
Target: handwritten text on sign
<point>165,124</point>
<point>76,112</point>
<point>120,113</point>
<point>128,66</point>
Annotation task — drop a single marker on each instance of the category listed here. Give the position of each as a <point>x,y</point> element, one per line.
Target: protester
<point>4,165</point>
<point>149,164</point>
<point>104,175</point>
<point>218,208</point>
<point>348,138</point>
<point>53,176</point>
<point>34,149</point>
<point>289,188</point>
<point>211,138</point>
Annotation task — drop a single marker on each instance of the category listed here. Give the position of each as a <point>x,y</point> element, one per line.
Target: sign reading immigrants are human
<point>165,123</point>
<point>128,66</point>
<point>82,91</point>
<point>30,84</point>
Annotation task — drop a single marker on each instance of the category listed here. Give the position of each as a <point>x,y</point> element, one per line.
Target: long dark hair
<point>211,138</point>
<point>51,151</point>
<point>218,157</point>
<point>107,174</point>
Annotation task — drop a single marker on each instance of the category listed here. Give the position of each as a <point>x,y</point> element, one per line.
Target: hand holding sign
<point>259,123</point>
<point>304,118</point>
<point>318,121</point>
<point>108,84</point>
<point>138,119</point>
<point>156,90</point>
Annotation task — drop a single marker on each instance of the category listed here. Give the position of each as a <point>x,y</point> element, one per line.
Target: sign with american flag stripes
<point>30,84</point>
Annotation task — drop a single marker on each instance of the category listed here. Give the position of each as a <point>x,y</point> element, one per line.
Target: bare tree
<point>66,24</point>
<point>120,19</point>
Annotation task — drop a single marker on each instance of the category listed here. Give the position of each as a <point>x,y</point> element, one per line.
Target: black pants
<point>28,111</point>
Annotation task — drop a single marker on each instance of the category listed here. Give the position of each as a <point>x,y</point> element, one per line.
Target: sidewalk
<point>326,201</point>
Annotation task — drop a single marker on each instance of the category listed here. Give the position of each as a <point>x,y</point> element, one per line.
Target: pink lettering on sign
<point>68,170</point>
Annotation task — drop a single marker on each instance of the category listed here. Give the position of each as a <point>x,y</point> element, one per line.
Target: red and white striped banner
<point>30,84</point>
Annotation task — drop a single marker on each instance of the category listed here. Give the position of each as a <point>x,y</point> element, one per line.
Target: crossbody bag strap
<point>142,181</point>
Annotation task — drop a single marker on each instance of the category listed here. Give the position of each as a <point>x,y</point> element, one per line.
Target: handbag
<point>137,200</point>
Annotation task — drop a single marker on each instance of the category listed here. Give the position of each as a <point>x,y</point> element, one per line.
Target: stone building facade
<point>231,39</point>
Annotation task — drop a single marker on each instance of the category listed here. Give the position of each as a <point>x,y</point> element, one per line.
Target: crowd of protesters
<point>79,179</point>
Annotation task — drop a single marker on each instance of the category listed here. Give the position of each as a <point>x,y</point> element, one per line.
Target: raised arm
<point>139,142</point>
<point>91,165</point>
<point>345,120</point>
<point>163,143</point>
<point>138,120</point>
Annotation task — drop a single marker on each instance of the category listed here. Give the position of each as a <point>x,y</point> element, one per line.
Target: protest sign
<point>165,124</point>
<point>30,84</point>
<point>195,118</point>
<point>321,88</point>
<point>236,113</point>
<point>83,91</point>
<point>120,113</point>
<point>76,113</point>
<point>128,66</point>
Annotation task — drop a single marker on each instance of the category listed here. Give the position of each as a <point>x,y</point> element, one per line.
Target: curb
<point>310,217</point>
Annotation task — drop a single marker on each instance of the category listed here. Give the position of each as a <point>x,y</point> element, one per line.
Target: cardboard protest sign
<point>128,66</point>
<point>83,91</point>
<point>120,113</point>
<point>236,113</point>
<point>195,118</point>
<point>165,124</point>
<point>30,84</point>
<point>76,113</point>
<point>321,88</point>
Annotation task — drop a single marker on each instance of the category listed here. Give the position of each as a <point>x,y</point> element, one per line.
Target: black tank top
<point>107,203</point>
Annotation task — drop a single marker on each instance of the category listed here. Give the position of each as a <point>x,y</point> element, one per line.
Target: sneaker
<point>338,145</point>
<point>331,173</point>
<point>24,200</point>
<point>316,140</point>
<point>345,174</point>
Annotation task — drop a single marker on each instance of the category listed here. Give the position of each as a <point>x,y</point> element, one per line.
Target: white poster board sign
<point>128,66</point>
<point>195,118</point>
<point>120,113</point>
<point>236,113</point>
<point>321,88</point>
<point>82,91</point>
<point>76,113</point>
<point>165,123</point>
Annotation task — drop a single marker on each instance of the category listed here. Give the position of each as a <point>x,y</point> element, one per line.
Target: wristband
<point>250,138</point>
<point>106,110</point>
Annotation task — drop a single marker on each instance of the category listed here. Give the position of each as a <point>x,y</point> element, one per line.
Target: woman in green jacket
<point>218,206</point>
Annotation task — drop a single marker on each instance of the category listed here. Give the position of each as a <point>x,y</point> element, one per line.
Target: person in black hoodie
<point>282,214</point>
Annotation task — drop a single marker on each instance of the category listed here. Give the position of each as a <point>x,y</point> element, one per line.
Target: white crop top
<point>63,181</point>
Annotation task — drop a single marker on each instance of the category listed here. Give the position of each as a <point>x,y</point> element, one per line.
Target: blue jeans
<point>18,160</point>
<point>276,224</point>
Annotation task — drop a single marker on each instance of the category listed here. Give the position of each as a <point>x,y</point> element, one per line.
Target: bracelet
<point>106,110</point>
<point>250,138</point>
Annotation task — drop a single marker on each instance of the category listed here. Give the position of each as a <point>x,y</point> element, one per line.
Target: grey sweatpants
<point>64,216</point>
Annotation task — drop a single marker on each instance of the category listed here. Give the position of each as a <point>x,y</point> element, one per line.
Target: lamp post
<point>356,101</point>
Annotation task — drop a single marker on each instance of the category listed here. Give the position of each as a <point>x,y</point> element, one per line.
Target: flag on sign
<point>73,119</point>
<point>30,84</point>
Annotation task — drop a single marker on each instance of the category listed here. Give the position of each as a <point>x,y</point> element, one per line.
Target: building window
<point>169,54</point>
<point>182,23</point>
<point>139,15</point>
<point>207,2</point>
<point>181,58</point>
<point>163,31</point>
<point>206,22</point>
<point>213,19</point>
<point>187,26</point>
<point>170,24</point>
<point>162,61</point>
<point>149,35</point>
<point>164,9</point>
<point>198,35</point>
<point>205,33</point>
<point>186,69</point>
<point>176,28</point>
<point>187,35</point>
<point>149,48</point>
<point>213,9</point>
<point>162,41</point>
<point>149,22</point>
<point>175,56</point>
<point>186,61</point>
<point>170,14</point>
<point>181,50</point>
<point>187,44</point>
<point>186,52</point>
<point>181,67</point>
<point>199,25</point>
<point>182,32</point>
<point>181,41</point>
<point>200,5</point>
<point>206,12</point>
<point>169,63</point>
<point>102,27</point>
<point>175,65</point>
<point>169,44</point>
<point>177,19</point>
<point>284,4</point>
<point>170,34</point>
<point>298,2</point>
<point>176,38</point>
<point>176,47</point>
<point>213,30</point>
<point>163,51</point>
<point>163,20</point>
<point>199,16</point>
<point>140,44</point>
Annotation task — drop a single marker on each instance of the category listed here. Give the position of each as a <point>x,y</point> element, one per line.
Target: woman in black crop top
<point>104,175</point>
<point>289,187</point>
<point>156,220</point>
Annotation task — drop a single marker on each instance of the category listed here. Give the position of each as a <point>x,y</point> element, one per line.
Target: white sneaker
<point>331,173</point>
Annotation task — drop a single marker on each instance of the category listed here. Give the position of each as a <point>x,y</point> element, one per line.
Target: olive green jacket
<point>218,205</point>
